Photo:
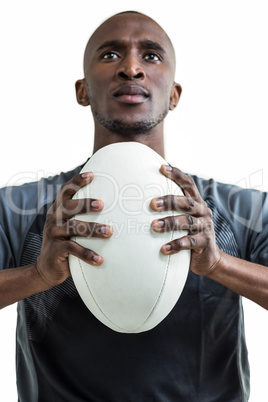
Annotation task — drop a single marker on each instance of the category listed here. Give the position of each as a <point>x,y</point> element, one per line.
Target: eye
<point>109,56</point>
<point>152,57</point>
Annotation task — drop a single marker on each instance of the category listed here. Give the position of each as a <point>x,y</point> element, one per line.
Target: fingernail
<point>159,202</point>
<point>167,247</point>
<point>104,230</point>
<point>85,175</point>
<point>95,204</point>
<point>159,224</point>
<point>96,258</point>
<point>168,168</point>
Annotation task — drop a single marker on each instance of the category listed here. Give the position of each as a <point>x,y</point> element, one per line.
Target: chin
<point>129,127</point>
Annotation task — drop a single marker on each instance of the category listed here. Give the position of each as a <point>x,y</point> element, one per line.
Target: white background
<point>219,128</point>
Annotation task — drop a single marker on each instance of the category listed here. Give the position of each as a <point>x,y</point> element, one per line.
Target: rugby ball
<point>136,286</point>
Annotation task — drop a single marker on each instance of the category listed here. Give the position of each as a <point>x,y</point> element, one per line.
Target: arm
<point>242,277</point>
<point>245,278</point>
<point>51,267</point>
<point>18,283</point>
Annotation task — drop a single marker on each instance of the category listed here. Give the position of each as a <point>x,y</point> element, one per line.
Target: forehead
<point>130,28</point>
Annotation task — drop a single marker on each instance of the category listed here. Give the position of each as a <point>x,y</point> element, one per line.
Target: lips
<point>130,90</point>
<point>133,94</point>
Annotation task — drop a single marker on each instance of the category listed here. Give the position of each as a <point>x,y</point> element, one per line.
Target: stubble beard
<point>122,127</point>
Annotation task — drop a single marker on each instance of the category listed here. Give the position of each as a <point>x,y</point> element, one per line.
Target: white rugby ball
<point>136,286</point>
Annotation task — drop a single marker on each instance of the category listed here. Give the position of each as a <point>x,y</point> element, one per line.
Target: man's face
<point>129,71</point>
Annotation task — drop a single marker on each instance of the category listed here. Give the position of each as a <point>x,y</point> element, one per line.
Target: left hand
<point>196,219</point>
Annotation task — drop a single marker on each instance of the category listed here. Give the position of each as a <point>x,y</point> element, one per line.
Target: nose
<point>130,69</point>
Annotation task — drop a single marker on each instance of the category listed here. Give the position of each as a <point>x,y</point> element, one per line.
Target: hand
<point>52,263</point>
<point>197,220</point>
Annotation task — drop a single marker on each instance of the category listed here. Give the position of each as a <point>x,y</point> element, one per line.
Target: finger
<point>178,203</point>
<point>70,208</point>
<point>179,222</point>
<point>185,182</point>
<point>74,228</point>
<point>191,242</point>
<point>84,254</point>
<point>71,187</point>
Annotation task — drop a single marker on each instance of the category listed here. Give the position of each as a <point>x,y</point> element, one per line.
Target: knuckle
<point>65,208</point>
<point>73,183</point>
<point>80,228</point>
<point>166,201</point>
<point>71,187</point>
<point>209,228</point>
<point>83,229</point>
<point>62,188</point>
<point>72,228</point>
<point>66,205</point>
<point>86,254</point>
<point>170,223</point>
<point>192,241</point>
<point>72,207</point>
<point>200,224</point>
<point>177,244</point>
<point>190,226</point>
<point>69,246</point>
<point>177,173</point>
<point>209,212</point>
<point>190,180</point>
<point>88,229</point>
<point>50,229</point>
<point>190,203</point>
<point>190,220</point>
<point>175,203</point>
<point>171,201</point>
<point>93,229</point>
<point>77,179</point>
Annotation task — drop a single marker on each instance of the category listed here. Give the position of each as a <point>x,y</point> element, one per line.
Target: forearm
<point>19,283</point>
<point>243,277</point>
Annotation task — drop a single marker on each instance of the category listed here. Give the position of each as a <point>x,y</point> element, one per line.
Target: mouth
<point>131,94</point>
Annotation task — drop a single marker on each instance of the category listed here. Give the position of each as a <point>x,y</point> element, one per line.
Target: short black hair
<point>130,12</point>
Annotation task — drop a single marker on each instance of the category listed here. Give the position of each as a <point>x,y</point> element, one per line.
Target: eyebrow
<point>142,43</point>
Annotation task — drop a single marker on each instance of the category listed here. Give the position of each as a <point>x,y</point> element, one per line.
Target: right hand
<point>52,263</point>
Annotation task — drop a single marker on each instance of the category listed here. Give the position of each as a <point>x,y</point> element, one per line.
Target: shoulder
<point>244,210</point>
<point>20,207</point>
<point>28,198</point>
<point>235,202</point>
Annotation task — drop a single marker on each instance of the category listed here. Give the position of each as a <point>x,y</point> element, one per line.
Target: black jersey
<point>196,354</point>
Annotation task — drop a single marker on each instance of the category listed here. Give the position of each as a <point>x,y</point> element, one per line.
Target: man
<point>198,352</point>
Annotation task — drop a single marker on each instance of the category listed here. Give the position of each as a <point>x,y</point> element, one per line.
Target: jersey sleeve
<point>248,213</point>
<point>256,242</point>
<point>246,210</point>
<point>6,255</point>
<point>19,207</point>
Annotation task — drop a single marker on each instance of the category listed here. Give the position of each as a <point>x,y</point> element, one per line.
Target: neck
<point>154,139</point>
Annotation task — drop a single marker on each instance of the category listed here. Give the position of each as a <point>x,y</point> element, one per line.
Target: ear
<point>175,95</point>
<point>81,92</point>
